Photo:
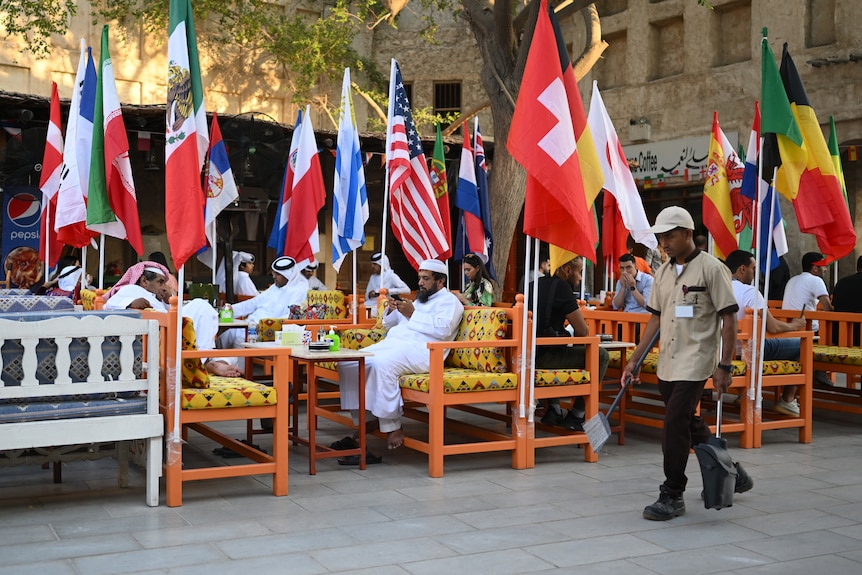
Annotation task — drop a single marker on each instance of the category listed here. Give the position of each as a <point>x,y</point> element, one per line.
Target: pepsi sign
<point>22,211</point>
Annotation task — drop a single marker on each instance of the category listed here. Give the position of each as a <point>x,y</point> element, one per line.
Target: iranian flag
<point>186,138</point>
<point>112,206</point>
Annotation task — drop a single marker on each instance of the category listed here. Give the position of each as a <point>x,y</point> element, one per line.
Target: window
<point>820,23</point>
<point>447,98</point>
<point>731,33</point>
<point>667,48</point>
<point>610,71</point>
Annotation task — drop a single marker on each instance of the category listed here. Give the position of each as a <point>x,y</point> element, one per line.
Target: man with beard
<point>434,316</point>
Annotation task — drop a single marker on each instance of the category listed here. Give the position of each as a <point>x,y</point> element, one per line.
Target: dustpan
<point>717,468</point>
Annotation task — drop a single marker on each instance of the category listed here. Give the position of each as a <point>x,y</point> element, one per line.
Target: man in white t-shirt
<point>742,267</point>
<point>804,292</point>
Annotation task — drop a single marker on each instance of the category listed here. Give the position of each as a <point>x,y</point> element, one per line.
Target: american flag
<point>416,220</point>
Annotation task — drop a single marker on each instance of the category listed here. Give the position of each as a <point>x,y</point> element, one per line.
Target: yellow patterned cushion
<point>457,380</point>
<point>88,299</point>
<point>781,367</point>
<point>361,338</point>
<point>267,328</point>
<point>614,360</point>
<point>193,372</point>
<point>481,324</point>
<point>333,300</point>
<point>837,354</point>
<point>554,377</point>
<point>228,392</point>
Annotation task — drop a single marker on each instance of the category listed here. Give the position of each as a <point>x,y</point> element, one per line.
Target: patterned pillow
<point>193,372</point>
<point>332,300</point>
<point>481,324</point>
<point>316,311</point>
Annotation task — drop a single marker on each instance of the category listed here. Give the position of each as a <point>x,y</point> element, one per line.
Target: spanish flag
<point>717,208</point>
<point>820,205</point>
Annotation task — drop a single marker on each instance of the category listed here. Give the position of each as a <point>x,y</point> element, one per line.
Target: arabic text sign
<point>685,157</point>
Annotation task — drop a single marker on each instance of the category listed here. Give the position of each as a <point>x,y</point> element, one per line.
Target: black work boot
<point>744,482</point>
<point>666,507</point>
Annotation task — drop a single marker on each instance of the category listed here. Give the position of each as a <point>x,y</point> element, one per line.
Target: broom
<point>597,428</point>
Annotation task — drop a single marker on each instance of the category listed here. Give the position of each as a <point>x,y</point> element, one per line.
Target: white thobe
<point>391,281</point>
<point>243,285</point>
<point>316,284</point>
<point>275,302</point>
<point>402,351</point>
<point>202,314</point>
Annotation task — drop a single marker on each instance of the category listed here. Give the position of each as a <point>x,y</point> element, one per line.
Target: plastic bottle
<point>321,333</point>
<point>334,338</point>
<point>252,333</point>
<point>226,314</point>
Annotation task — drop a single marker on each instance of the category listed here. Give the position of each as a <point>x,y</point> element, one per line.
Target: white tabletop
<point>302,352</point>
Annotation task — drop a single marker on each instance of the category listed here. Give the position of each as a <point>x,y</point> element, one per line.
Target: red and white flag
<point>49,183</point>
<point>308,197</point>
<point>416,220</point>
<point>542,139</point>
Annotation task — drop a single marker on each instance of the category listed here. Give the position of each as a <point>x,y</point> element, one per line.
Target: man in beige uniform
<point>692,301</point>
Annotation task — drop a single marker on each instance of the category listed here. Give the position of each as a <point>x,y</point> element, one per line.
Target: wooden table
<point>302,355</point>
<point>233,324</point>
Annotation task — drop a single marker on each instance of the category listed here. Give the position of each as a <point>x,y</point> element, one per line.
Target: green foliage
<point>34,21</point>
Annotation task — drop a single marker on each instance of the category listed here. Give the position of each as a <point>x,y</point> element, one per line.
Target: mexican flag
<point>186,138</point>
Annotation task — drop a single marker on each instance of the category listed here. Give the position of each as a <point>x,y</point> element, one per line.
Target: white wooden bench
<point>75,384</point>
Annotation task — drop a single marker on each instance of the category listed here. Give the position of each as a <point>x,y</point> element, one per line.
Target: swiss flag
<point>542,139</point>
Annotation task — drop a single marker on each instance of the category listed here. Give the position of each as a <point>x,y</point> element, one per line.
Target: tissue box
<point>291,337</point>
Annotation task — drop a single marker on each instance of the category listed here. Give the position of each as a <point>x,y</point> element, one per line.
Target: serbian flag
<point>49,183</point>
<point>112,206</point>
<point>467,200</point>
<point>751,181</point>
<point>221,188</point>
<point>71,221</point>
<point>416,221</point>
<point>817,197</point>
<point>623,209</point>
<point>717,208</point>
<point>279,229</point>
<point>440,185</point>
<point>186,138</point>
<point>542,140</point>
<point>308,197</point>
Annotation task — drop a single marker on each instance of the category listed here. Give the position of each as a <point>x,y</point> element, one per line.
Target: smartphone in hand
<point>397,297</point>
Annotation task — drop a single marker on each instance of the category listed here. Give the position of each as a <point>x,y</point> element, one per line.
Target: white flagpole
<point>355,284</point>
<point>390,113</point>
<point>101,261</point>
<point>174,440</point>
<point>762,335</point>
<point>215,253</point>
<point>524,365</point>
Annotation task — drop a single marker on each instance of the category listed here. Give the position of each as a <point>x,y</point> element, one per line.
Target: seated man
<point>144,286</point>
<point>289,288</point>
<point>309,274</point>
<point>633,287</point>
<point>742,267</point>
<point>435,316</point>
<point>556,304</point>
<point>382,277</point>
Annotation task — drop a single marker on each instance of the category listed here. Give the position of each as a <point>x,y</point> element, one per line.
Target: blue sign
<point>22,211</point>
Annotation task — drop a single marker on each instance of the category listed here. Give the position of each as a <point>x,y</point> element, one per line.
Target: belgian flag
<point>808,177</point>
